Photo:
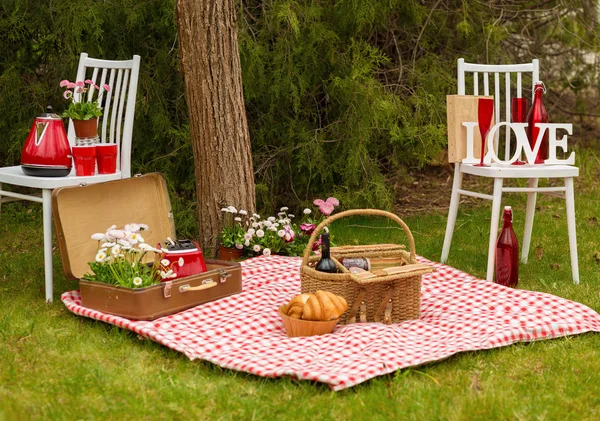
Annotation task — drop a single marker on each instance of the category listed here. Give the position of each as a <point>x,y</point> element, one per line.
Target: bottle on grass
<point>507,253</point>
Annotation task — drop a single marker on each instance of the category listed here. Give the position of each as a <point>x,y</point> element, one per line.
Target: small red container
<point>85,160</point>
<point>190,252</point>
<point>106,154</point>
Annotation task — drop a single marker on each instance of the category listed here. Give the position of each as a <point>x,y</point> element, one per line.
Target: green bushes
<point>342,96</point>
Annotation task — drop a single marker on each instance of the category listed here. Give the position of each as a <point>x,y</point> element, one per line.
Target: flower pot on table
<point>86,128</point>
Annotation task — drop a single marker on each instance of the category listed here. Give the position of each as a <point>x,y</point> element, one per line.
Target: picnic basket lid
<point>80,211</point>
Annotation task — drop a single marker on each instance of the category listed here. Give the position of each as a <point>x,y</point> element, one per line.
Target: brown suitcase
<point>80,211</point>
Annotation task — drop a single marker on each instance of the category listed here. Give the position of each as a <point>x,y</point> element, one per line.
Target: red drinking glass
<point>485,110</point>
<point>519,109</point>
<point>85,160</point>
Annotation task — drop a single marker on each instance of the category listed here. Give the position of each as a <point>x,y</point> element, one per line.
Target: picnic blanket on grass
<point>458,313</point>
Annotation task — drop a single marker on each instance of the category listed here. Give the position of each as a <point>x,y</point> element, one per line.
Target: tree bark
<point>210,62</point>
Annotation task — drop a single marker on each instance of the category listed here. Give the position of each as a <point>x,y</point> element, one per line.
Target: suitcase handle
<point>187,287</point>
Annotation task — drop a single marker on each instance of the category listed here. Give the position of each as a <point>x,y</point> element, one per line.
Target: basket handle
<point>374,212</point>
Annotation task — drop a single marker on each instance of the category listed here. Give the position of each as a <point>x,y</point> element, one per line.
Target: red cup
<point>106,154</point>
<point>85,160</point>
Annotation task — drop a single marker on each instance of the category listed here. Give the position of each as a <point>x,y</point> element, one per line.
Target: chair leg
<point>497,200</point>
<point>529,214</point>
<point>47,212</point>
<point>570,198</point>
<point>452,211</point>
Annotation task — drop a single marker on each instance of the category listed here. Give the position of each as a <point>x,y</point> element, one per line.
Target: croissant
<point>320,306</point>
<point>296,306</point>
<point>323,305</point>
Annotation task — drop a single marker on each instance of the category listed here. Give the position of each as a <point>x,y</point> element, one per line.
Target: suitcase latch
<point>223,275</point>
<point>167,289</point>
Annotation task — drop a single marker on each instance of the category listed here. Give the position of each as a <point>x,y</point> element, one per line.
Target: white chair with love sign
<point>116,126</point>
<point>509,73</point>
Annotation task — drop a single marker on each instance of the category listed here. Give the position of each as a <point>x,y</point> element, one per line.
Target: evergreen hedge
<point>342,96</point>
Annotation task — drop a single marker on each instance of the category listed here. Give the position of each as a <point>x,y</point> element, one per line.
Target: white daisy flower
<point>145,247</point>
<point>281,233</point>
<point>260,233</point>
<point>180,262</point>
<point>132,227</point>
<point>283,209</point>
<point>257,216</point>
<point>112,227</point>
<point>247,243</point>
<point>243,212</point>
<point>239,246</point>
<point>267,252</point>
<point>256,248</point>
<point>165,262</point>
<point>232,209</point>
<point>98,236</point>
<point>251,231</point>
<point>271,218</point>
<point>116,250</point>
<point>137,281</point>
<point>237,219</point>
<point>272,228</point>
<point>291,215</point>
<point>247,236</point>
<point>255,225</point>
<point>275,224</point>
<point>100,256</point>
<point>268,224</point>
<point>117,234</point>
<point>124,242</point>
<point>226,210</point>
<point>307,211</point>
<point>280,214</point>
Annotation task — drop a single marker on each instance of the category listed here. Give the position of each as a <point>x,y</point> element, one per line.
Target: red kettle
<point>47,152</point>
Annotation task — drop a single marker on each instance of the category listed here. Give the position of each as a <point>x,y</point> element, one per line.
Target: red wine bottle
<point>326,264</point>
<point>538,114</point>
<point>507,253</point>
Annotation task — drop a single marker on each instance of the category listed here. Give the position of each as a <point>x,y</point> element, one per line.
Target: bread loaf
<point>320,306</point>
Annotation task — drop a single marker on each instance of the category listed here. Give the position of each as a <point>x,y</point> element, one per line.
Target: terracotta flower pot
<point>86,128</point>
<point>229,253</point>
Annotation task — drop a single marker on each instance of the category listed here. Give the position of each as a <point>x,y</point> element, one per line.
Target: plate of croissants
<point>312,314</point>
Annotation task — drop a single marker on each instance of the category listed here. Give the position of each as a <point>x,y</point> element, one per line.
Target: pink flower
<point>333,201</point>
<point>318,202</point>
<point>106,87</point>
<point>64,83</point>
<point>71,85</point>
<point>89,81</point>
<point>67,94</point>
<point>80,90</point>
<point>289,234</point>
<point>307,228</point>
<point>326,208</point>
<point>79,83</point>
<point>96,87</point>
<point>317,244</point>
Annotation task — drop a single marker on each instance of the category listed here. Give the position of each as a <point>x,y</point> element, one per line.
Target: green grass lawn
<point>54,365</point>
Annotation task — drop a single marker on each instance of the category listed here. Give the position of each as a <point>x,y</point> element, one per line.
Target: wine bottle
<point>507,253</point>
<point>538,114</point>
<point>326,264</point>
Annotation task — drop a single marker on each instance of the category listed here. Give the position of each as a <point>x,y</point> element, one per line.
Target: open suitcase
<point>80,211</point>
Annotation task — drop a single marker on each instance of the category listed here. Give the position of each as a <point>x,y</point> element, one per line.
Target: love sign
<point>523,145</point>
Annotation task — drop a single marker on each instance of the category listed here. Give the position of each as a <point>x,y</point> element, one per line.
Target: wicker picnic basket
<point>385,298</point>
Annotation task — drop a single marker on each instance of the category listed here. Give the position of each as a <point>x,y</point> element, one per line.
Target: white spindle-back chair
<point>502,95</point>
<point>118,110</point>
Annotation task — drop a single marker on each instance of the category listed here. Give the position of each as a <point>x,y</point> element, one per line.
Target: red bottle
<point>538,114</point>
<point>507,253</point>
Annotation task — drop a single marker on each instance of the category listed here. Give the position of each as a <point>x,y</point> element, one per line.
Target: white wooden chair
<point>499,173</point>
<point>116,126</point>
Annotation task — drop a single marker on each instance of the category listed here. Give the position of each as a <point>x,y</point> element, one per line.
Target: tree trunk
<point>210,62</point>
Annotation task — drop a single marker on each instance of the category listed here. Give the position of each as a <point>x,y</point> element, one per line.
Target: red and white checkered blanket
<point>458,313</point>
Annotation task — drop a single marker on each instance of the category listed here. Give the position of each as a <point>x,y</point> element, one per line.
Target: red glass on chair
<point>519,109</point>
<point>485,111</point>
